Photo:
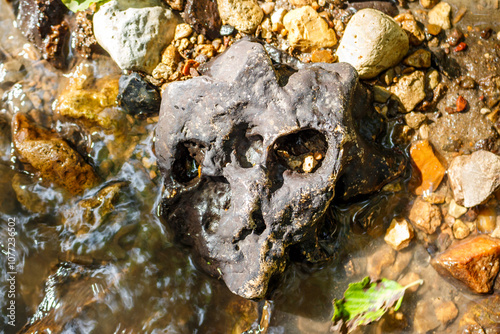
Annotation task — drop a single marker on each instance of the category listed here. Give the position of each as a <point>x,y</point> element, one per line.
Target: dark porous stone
<point>252,162</point>
<point>203,16</point>
<point>42,22</point>
<point>137,96</point>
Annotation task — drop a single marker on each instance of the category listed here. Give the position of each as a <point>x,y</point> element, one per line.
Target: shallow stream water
<point>126,274</point>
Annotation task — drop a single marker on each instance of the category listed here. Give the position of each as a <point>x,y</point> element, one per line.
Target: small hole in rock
<point>188,158</point>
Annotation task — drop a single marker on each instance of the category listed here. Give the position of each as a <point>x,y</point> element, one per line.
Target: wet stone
<point>42,22</point>
<point>249,172</point>
<point>51,156</point>
<point>244,15</point>
<point>399,234</point>
<point>137,96</point>
<point>440,15</point>
<point>420,59</point>
<point>412,27</point>
<point>430,168</point>
<point>410,89</point>
<point>474,262</point>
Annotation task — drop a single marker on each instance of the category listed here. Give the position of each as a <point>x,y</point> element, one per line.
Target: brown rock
<point>474,262</point>
<point>425,216</point>
<point>322,56</point>
<point>399,234</point>
<point>433,29</point>
<point>42,22</point>
<point>430,168</point>
<point>482,316</point>
<point>486,220</point>
<point>85,43</point>
<point>425,318</point>
<point>203,16</point>
<point>51,156</point>
<point>420,59</point>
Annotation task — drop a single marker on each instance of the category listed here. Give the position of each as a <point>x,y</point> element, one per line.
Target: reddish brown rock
<point>51,156</point>
<point>474,262</point>
<point>425,216</point>
<point>430,168</point>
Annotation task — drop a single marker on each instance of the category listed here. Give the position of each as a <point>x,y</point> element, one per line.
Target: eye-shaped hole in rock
<point>188,158</point>
<point>249,150</point>
<point>301,152</point>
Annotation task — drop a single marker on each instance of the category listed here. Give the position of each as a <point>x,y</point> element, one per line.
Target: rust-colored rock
<point>322,56</point>
<point>51,156</point>
<point>425,216</point>
<point>430,168</point>
<point>474,262</point>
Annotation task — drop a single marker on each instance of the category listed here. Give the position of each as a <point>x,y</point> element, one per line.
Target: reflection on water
<point>104,262</point>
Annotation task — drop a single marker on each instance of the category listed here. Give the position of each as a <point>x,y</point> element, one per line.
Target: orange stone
<point>322,56</point>
<point>430,168</point>
<point>474,262</point>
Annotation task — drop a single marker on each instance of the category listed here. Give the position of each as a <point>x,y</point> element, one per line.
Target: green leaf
<point>78,5</point>
<point>365,302</point>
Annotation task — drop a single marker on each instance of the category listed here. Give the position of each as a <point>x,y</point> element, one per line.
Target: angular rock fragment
<point>430,168</point>
<point>85,42</point>
<point>425,216</point>
<point>372,43</point>
<point>440,15</point>
<point>307,30</point>
<point>474,177</point>
<point>51,156</point>
<point>137,96</point>
<point>475,262</point>
<point>134,32</point>
<point>399,234</point>
<point>203,16</point>
<point>252,156</point>
<point>410,89</point>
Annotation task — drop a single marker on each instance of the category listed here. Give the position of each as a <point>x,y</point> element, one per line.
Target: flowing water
<point>121,272</point>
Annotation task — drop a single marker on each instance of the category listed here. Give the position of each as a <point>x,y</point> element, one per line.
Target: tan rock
<point>474,262</point>
<point>372,43</point>
<point>425,319</point>
<point>300,3</point>
<point>425,216</point>
<point>51,156</point>
<point>408,278</point>
<point>412,27</point>
<point>399,234</point>
<point>420,59</point>
<point>460,230</point>
<point>182,30</point>
<point>88,99</point>
<point>456,210</point>
<point>415,119</point>
<point>244,15</point>
<point>410,89</point>
<point>440,15</point>
<point>446,311</point>
<point>432,79</point>
<point>307,30</point>
<point>322,56</point>
<point>430,168</point>
<point>428,3</point>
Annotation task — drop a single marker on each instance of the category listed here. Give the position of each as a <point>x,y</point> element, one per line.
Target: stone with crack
<point>252,155</point>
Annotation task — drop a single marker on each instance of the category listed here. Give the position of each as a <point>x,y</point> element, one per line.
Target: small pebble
<point>486,33</point>
<point>461,103</point>
<point>485,111</point>
<point>226,30</point>
<point>460,47</point>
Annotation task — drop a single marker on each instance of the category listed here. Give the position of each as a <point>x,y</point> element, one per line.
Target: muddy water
<point>126,275</point>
